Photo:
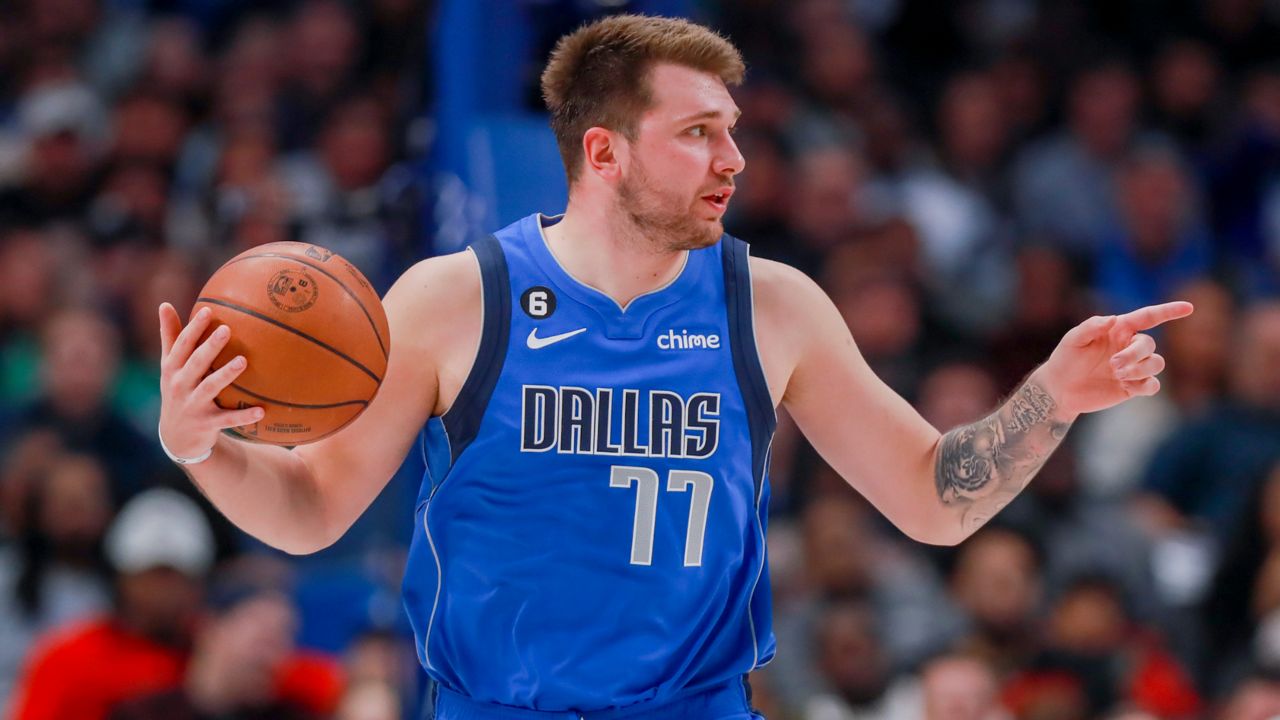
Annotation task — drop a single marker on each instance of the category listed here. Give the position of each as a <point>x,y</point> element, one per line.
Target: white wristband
<point>182,460</point>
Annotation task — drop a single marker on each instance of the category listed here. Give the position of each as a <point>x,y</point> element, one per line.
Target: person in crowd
<point>1243,603</point>
<point>1160,242</point>
<point>857,677</point>
<point>162,549</point>
<point>55,574</point>
<point>243,666</point>
<point>1093,641</point>
<point>997,582</point>
<point>1204,473</point>
<point>80,356</point>
<point>960,687</point>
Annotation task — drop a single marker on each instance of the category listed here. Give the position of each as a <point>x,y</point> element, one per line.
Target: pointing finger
<point>1148,317</point>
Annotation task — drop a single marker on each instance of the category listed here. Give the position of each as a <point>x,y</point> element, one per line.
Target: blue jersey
<point>590,531</point>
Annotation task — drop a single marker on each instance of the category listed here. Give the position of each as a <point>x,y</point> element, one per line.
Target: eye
<point>697,131</point>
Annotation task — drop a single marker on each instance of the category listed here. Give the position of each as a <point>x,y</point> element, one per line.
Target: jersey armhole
<point>462,420</point>
<point>746,357</point>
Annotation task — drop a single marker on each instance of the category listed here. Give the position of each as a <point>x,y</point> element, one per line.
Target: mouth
<point>719,199</point>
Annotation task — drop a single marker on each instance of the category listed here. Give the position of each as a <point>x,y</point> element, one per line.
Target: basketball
<point>313,331</point>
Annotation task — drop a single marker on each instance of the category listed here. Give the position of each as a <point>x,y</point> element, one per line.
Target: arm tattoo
<point>982,466</point>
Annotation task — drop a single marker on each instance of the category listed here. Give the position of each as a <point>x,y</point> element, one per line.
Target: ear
<point>603,153</point>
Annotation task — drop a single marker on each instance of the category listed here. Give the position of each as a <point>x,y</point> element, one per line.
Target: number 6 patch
<point>538,302</point>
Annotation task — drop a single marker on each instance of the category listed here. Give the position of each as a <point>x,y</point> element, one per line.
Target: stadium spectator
<point>958,687</point>
<point>162,548</point>
<point>1203,474</point>
<point>997,582</point>
<point>859,681</point>
<point>1064,185</point>
<point>1159,244</point>
<point>243,666</point>
<point>56,574</point>
<point>80,355</point>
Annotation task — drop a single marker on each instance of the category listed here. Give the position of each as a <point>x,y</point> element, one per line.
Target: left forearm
<point>979,468</point>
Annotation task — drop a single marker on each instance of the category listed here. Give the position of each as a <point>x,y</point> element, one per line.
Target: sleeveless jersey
<point>590,529</point>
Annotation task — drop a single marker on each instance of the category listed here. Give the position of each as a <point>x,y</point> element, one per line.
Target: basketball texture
<point>313,331</point>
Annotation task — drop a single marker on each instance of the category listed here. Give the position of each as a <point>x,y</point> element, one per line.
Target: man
<point>242,661</point>
<point>161,547</point>
<point>601,390</point>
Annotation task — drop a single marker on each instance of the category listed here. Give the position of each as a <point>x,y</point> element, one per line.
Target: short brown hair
<point>596,76</point>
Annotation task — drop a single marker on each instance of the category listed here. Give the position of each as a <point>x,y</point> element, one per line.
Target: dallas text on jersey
<point>578,421</point>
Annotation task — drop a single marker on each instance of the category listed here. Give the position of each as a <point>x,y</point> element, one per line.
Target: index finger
<point>1150,316</point>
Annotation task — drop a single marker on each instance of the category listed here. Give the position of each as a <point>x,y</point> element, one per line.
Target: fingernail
<point>222,331</point>
<point>204,312</point>
<point>238,362</point>
<point>259,413</point>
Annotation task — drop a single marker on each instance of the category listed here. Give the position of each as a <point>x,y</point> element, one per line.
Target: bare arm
<point>981,467</point>
<point>303,500</point>
<point>937,488</point>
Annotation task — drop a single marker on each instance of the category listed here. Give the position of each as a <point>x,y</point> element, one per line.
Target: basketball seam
<point>268,319</point>
<point>372,325</point>
<point>300,406</point>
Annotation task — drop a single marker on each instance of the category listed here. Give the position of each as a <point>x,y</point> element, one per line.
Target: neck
<point>607,252</point>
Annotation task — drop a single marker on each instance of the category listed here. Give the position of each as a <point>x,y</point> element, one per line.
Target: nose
<point>728,158</point>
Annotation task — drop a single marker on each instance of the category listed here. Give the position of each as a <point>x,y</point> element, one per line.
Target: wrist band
<point>182,460</point>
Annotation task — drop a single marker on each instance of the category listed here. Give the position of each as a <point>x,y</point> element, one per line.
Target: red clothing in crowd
<point>79,673</point>
<point>82,672</point>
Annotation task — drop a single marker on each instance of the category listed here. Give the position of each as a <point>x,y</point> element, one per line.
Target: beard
<point>664,219</point>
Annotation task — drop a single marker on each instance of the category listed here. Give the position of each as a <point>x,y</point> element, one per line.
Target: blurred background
<point>967,180</point>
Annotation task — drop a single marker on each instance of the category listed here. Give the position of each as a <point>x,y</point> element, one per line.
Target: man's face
<point>678,173</point>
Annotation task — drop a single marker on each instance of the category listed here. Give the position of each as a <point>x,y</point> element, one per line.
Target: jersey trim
<point>462,421</point>
<point>746,358</point>
<point>761,418</point>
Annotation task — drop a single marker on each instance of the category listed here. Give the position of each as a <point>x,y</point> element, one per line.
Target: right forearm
<point>267,491</point>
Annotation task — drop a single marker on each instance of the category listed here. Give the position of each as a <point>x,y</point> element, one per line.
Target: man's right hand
<point>189,419</point>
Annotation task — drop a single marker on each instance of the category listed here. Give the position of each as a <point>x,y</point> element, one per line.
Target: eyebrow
<point>707,115</point>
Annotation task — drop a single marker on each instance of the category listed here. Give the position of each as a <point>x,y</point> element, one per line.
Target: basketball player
<point>598,391</point>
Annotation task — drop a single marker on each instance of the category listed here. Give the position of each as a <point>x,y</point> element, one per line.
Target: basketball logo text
<point>293,290</point>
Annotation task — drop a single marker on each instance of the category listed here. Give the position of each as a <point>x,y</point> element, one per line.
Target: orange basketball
<point>313,331</point>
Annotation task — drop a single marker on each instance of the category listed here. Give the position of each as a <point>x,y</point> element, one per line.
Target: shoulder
<point>770,276</point>
<point>791,314</point>
<point>434,296</point>
<point>71,646</point>
<point>441,277</point>
<point>435,313</point>
<point>783,293</point>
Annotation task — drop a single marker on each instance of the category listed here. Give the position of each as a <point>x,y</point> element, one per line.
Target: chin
<point>705,237</point>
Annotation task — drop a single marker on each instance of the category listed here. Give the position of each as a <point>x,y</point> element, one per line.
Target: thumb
<point>1092,329</point>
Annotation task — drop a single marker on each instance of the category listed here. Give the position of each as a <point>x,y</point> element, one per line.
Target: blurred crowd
<point>142,144</point>
<point>966,179</point>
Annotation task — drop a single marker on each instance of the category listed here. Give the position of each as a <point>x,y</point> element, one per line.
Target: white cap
<point>64,107</point>
<point>161,528</point>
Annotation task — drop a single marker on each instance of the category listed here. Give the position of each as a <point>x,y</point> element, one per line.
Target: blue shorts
<point>725,702</point>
